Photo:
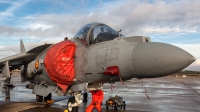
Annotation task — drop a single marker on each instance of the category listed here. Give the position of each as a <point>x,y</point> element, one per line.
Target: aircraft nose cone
<point>159,59</point>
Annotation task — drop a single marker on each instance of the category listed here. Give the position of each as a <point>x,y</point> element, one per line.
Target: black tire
<point>124,102</point>
<point>48,97</point>
<point>75,109</point>
<point>72,100</point>
<point>124,107</point>
<point>116,108</point>
<point>85,95</point>
<point>39,98</point>
<point>107,106</point>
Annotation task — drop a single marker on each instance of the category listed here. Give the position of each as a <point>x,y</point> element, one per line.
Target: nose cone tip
<point>194,58</point>
<point>185,57</point>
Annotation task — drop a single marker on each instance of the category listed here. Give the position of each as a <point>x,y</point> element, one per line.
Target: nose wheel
<point>70,102</point>
<point>74,102</point>
<point>85,96</point>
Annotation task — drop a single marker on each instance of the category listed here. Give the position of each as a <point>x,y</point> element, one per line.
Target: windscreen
<point>102,33</point>
<point>96,32</point>
<point>82,33</point>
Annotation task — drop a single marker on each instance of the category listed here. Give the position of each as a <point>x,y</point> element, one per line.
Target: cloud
<point>37,31</point>
<point>9,50</point>
<point>136,18</point>
<point>166,29</point>
<point>39,26</point>
<point>12,8</point>
<point>133,17</point>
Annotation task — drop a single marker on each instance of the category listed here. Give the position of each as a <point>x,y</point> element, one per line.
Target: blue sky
<point>174,22</point>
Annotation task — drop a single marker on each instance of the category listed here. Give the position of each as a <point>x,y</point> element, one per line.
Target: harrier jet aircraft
<point>96,55</point>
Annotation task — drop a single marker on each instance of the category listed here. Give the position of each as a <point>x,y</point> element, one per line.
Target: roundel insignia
<point>37,64</point>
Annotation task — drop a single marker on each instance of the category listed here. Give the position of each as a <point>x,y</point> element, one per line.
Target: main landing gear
<point>47,99</point>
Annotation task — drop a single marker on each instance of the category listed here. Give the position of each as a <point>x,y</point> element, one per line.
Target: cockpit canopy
<point>96,32</point>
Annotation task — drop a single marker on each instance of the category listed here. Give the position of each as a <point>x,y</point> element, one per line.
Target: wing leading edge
<point>23,57</point>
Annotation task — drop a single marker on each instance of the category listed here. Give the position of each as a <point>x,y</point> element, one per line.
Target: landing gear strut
<point>74,102</point>
<point>6,83</point>
<point>70,102</point>
<point>48,97</point>
<point>40,98</point>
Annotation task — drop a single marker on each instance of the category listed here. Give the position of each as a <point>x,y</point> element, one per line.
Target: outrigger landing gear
<point>6,76</point>
<point>74,102</point>
<point>6,83</point>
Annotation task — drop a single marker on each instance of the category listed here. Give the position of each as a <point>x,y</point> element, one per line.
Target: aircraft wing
<point>23,58</point>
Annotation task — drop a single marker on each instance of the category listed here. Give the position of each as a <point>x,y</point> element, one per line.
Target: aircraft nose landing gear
<point>74,102</point>
<point>85,96</point>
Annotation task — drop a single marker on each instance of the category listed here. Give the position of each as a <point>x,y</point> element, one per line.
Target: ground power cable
<point>145,90</point>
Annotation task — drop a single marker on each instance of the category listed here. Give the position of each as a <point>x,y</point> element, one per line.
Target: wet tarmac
<point>171,94</point>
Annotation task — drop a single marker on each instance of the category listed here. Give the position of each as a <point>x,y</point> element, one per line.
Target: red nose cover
<point>59,63</point>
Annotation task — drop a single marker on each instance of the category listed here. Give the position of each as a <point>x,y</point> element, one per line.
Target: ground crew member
<point>97,98</point>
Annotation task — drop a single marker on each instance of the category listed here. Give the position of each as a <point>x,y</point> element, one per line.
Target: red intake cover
<point>59,63</point>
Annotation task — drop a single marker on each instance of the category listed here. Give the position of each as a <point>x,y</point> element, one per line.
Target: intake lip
<point>159,59</point>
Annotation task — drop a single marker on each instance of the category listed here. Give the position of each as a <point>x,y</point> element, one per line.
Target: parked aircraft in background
<point>96,55</point>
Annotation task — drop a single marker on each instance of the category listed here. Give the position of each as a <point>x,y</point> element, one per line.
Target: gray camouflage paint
<point>135,57</point>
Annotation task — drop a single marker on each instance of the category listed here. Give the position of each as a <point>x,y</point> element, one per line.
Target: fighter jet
<point>96,55</point>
